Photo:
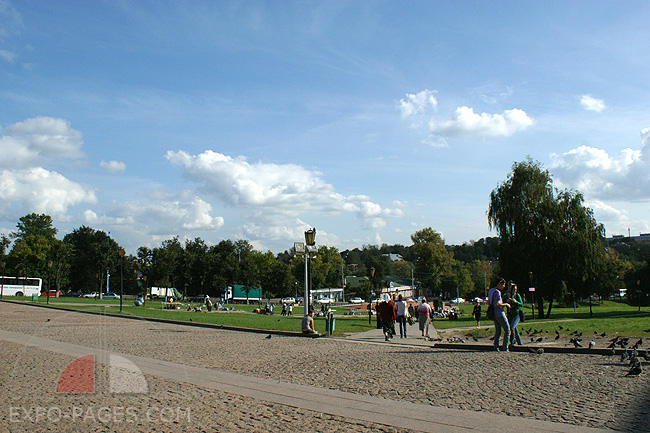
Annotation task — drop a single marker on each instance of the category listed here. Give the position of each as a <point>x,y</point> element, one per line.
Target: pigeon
<point>576,342</point>
<point>635,370</point>
<point>475,339</point>
<point>560,327</point>
<point>539,339</point>
<point>557,337</point>
<point>538,350</point>
<point>592,343</point>
<point>646,330</point>
<point>47,320</point>
<point>624,356</point>
<point>603,334</point>
<point>268,337</point>
<point>492,338</point>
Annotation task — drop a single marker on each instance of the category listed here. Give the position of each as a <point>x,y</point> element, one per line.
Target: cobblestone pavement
<point>586,390</point>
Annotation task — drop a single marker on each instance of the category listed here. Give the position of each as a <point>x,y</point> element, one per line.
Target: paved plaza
<point>161,377</point>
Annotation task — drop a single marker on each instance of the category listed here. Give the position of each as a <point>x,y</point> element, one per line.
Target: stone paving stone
<point>583,390</point>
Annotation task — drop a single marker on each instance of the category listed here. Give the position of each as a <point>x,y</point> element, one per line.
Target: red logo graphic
<point>79,376</point>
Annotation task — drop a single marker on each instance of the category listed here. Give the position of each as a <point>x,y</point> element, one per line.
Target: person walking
<point>500,320</point>
<point>477,314</point>
<point>208,303</point>
<point>424,312</point>
<point>400,305</point>
<point>514,314</point>
<point>386,311</point>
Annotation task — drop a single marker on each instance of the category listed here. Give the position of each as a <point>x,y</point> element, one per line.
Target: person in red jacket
<point>388,316</point>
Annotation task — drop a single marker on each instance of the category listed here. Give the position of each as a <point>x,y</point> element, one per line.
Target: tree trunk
<point>550,306</point>
<point>540,308</point>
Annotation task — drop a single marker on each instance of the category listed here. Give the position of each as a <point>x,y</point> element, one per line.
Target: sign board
<point>299,247</point>
<point>531,289</point>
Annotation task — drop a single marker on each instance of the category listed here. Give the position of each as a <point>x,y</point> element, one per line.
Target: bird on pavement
<point>576,342</point>
<point>557,337</point>
<point>635,370</point>
<point>592,343</point>
<point>539,339</point>
<point>268,337</point>
<point>624,355</point>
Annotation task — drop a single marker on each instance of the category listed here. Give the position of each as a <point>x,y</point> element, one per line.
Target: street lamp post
<point>310,242</point>
<point>531,289</point>
<point>2,287</point>
<point>49,268</point>
<point>121,253</point>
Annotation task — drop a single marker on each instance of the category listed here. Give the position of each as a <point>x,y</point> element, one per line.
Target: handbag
<point>490,310</point>
<point>522,316</point>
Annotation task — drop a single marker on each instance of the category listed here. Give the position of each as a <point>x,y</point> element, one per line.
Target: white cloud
<point>160,214</point>
<point>597,174</point>
<point>416,103</point>
<point>38,141</point>
<point>273,189</point>
<point>8,55</point>
<point>41,191</point>
<point>113,166</point>
<point>590,103</point>
<point>465,122</point>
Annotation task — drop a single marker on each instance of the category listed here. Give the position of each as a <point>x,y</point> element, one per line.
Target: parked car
<point>356,300</point>
<point>73,295</point>
<point>457,301</point>
<point>324,300</point>
<point>110,295</point>
<point>91,295</point>
<point>197,298</point>
<point>51,293</point>
<point>289,300</point>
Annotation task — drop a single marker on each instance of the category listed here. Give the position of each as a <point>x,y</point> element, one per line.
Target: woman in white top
<point>400,306</point>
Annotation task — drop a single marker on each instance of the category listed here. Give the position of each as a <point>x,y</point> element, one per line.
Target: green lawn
<point>603,320</point>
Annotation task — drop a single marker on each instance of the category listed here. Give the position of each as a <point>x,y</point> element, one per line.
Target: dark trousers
<point>388,326</point>
<point>402,325</point>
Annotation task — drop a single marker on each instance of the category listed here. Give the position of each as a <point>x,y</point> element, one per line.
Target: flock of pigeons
<point>630,354</point>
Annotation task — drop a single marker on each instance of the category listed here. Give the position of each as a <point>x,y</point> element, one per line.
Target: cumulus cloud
<point>279,190</point>
<point>25,186</point>
<point>465,122</point>
<point>38,141</point>
<point>590,103</point>
<point>171,212</point>
<point>595,173</point>
<point>113,166</point>
<point>41,191</point>
<point>415,103</point>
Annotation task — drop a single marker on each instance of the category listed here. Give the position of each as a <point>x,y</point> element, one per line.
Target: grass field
<point>610,317</point>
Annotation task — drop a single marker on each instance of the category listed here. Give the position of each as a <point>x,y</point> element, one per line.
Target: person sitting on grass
<point>308,323</point>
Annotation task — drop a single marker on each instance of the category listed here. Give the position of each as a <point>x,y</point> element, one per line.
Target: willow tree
<point>547,237</point>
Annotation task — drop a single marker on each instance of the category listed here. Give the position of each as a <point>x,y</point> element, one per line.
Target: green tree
<point>433,261</point>
<point>32,243</point>
<point>93,254</point>
<point>544,231</point>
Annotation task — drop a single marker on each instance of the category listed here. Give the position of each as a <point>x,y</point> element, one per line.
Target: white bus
<point>19,286</point>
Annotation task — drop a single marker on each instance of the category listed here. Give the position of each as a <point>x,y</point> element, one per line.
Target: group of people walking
<point>504,296</point>
<point>388,313</point>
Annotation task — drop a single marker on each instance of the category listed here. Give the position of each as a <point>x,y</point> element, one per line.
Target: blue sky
<point>366,120</point>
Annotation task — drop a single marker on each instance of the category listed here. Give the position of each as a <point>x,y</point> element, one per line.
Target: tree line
<point>547,238</point>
